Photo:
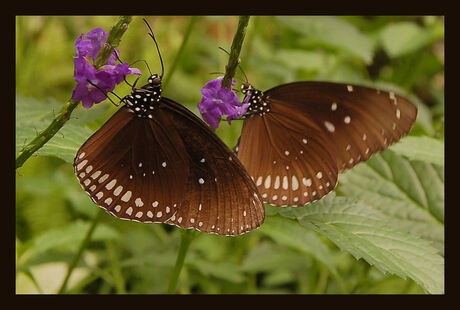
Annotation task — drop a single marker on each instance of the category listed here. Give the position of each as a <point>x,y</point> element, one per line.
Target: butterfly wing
<point>133,167</point>
<point>291,161</point>
<point>360,121</point>
<point>314,131</point>
<point>220,197</point>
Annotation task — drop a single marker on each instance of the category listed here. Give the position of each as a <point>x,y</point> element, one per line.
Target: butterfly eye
<point>155,79</point>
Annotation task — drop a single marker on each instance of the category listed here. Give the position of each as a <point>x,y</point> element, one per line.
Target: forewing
<point>220,197</point>
<point>359,121</point>
<point>134,167</point>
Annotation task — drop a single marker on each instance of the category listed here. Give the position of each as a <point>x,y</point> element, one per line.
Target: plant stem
<point>115,268</point>
<point>180,52</point>
<point>63,116</point>
<point>235,50</point>
<point>186,237</point>
<point>79,253</point>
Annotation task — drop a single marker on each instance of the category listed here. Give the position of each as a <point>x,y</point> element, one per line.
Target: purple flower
<point>106,77</point>
<point>218,101</point>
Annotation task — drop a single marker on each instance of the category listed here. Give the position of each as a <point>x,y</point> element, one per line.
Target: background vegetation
<point>380,232</point>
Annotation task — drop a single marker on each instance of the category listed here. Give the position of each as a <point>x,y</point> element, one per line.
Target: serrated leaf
<point>333,32</point>
<point>367,233</point>
<point>410,192</point>
<point>421,148</point>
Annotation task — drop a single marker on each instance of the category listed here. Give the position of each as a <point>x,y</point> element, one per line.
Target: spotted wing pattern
<point>133,167</point>
<point>220,196</point>
<point>307,132</point>
<point>360,121</point>
<point>291,161</point>
<point>168,167</point>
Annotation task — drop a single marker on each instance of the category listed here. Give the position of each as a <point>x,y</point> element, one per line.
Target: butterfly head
<point>154,80</point>
<point>258,103</point>
<point>246,88</point>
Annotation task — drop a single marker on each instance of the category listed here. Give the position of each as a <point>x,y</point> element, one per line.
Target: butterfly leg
<point>106,94</point>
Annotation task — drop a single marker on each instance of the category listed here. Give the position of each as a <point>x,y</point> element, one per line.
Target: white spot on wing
<point>267,182</point>
<point>277,182</point>
<point>295,183</point>
<point>99,195</point>
<point>118,190</point>
<point>329,126</point>
<point>111,184</point>
<point>306,182</point>
<point>103,178</point>
<point>285,182</point>
<point>82,164</point>
<point>126,196</point>
<point>139,202</point>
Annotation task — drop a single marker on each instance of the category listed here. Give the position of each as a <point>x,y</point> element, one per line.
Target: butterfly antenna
<point>239,66</point>
<point>156,44</point>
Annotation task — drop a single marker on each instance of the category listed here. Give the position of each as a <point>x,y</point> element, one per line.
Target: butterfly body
<point>143,101</point>
<point>154,161</point>
<point>308,132</point>
<point>258,104</point>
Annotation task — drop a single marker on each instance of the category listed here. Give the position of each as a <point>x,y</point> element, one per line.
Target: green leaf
<point>306,60</point>
<point>290,233</point>
<point>421,148</point>
<point>68,237</point>
<point>333,32</point>
<point>403,38</point>
<point>224,270</point>
<point>268,256</point>
<point>64,144</point>
<point>33,116</point>
<point>367,233</point>
<point>410,192</point>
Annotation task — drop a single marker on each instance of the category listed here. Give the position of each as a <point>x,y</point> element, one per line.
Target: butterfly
<point>297,137</point>
<point>154,161</point>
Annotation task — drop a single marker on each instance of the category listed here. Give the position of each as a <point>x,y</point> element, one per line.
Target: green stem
<point>181,50</point>
<point>321,284</point>
<point>235,50</point>
<point>116,268</point>
<point>79,253</point>
<point>186,237</point>
<point>63,116</point>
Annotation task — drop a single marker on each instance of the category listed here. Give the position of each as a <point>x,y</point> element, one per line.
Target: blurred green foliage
<point>297,250</point>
